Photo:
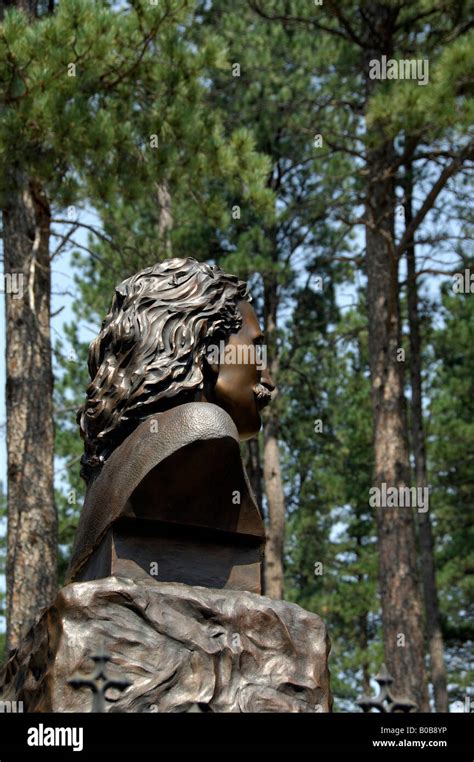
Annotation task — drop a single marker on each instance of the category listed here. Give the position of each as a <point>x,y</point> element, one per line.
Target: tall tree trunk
<point>271,456</point>
<point>253,467</point>
<point>399,588</point>
<point>427,565</point>
<point>32,522</point>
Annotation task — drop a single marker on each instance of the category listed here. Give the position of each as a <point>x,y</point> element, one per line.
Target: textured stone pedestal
<point>181,647</point>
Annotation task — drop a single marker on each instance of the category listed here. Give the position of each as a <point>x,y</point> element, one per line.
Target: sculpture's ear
<point>210,366</point>
<point>210,359</point>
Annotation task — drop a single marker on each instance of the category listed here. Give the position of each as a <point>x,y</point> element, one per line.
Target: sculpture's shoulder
<point>193,420</point>
<point>165,433</point>
<point>159,438</point>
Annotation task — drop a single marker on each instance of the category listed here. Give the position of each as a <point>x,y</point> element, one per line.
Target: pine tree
<point>365,33</point>
<point>332,548</point>
<point>273,88</point>
<point>450,431</point>
<point>100,104</point>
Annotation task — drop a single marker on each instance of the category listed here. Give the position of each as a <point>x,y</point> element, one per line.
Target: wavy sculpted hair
<point>151,349</point>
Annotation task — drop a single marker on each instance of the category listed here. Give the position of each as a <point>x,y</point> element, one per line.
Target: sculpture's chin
<point>244,412</point>
<point>250,429</point>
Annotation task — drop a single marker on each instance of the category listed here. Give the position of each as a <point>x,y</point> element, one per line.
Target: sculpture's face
<point>243,386</point>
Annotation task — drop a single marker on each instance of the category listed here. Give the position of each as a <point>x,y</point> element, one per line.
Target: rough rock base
<point>183,649</point>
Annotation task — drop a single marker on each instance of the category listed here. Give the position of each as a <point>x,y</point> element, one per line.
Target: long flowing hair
<point>151,348</point>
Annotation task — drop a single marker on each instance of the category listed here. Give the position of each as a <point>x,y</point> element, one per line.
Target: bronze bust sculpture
<point>167,556</point>
<point>166,564</point>
<point>167,493</point>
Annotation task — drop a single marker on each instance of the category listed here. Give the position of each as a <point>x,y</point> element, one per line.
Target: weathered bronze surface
<point>180,648</point>
<point>167,493</point>
<point>98,681</point>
